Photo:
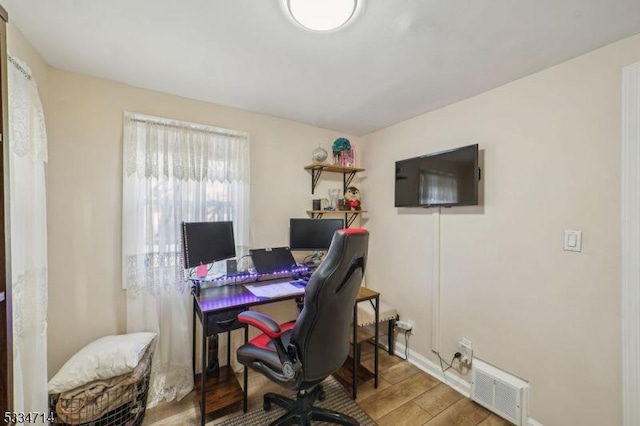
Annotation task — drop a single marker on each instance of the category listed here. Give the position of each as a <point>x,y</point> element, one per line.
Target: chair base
<point>301,410</point>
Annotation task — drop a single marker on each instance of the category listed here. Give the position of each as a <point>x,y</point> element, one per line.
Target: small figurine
<point>352,197</point>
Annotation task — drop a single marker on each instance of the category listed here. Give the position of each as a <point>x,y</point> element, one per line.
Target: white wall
<point>551,155</point>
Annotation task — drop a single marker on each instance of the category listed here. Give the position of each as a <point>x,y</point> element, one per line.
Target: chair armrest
<point>263,322</point>
<point>288,356</point>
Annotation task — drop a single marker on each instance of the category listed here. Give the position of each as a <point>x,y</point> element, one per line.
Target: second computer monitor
<point>312,234</point>
<point>207,242</point>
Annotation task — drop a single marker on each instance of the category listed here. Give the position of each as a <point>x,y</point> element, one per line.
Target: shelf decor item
<point>319,155</point>
<point>339,146</point>
<point>352,198</point>
<point>348,158</point>
<point>334,196</point>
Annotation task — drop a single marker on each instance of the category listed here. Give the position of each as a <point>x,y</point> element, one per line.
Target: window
<point>173,172</point>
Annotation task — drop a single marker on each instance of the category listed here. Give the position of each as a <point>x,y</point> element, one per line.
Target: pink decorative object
<point>347,159</point>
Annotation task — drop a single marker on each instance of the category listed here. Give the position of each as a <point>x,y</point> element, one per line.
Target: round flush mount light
<point>322,15</point>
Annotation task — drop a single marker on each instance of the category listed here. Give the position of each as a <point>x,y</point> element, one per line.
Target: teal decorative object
<point>341,144</point>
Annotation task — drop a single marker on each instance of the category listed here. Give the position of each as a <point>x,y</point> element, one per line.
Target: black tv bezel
<point>309,219</point>
<point>435,154</point>
<point>228,224</point>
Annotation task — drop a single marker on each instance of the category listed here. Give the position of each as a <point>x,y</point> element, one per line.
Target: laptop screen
<point>272,260</point>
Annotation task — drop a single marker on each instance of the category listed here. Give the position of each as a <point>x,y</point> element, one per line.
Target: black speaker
<point>232,266</point>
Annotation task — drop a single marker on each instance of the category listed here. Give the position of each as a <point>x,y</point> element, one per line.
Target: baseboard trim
<point>433,369</point>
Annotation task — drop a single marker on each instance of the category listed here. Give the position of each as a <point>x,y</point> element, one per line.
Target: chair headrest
<point>350,231</point>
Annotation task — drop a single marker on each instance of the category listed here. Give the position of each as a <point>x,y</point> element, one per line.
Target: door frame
<point>6,333</point>
<point>630,244</point>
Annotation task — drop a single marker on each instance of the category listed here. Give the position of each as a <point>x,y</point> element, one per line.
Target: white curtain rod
<point>204,129</point>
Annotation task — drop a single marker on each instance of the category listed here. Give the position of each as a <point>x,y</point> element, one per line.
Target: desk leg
<point>392,336</point>
<point>203,373</point>
<point>246,372</point>
<point>377,343</point>
<point>193,339</point>
<point>354,376</point>
<point>228,350</point>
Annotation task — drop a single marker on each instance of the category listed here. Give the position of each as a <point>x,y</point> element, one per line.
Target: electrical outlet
<point>466,350</point>
<point>404,325</point>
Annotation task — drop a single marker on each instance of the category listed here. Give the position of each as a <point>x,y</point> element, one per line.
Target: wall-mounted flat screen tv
<point>448,178</point>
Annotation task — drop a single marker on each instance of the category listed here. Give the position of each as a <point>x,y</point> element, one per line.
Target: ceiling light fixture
<point>322,15</point>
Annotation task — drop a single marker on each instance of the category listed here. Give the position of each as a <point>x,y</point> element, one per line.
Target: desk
<point>217,308</point>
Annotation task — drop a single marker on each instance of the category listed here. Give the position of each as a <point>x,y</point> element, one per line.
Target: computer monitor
<point>312,234</point>
<point>207,242</point>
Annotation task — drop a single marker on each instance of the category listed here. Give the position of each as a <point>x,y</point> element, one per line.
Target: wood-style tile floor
<point>405,396</point>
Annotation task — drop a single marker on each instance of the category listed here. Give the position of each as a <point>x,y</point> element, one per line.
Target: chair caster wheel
<point>266,405</point>
<point>322,396</point>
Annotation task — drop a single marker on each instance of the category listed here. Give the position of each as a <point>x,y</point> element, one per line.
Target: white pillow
<point>104,358</point>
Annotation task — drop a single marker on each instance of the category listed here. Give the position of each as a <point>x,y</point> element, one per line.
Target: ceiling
<point>397,60</point>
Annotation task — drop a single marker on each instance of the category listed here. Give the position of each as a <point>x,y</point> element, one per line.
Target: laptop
<point>273,260</point>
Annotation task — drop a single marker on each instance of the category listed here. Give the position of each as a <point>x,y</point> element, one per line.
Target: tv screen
<point>207,242</point>
<point>447,178</point>
<point>312,234</point>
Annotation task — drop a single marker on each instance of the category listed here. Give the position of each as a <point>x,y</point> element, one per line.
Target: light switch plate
<point>572,240</point>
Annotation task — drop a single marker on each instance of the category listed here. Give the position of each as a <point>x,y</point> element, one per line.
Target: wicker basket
<point>129,413</point>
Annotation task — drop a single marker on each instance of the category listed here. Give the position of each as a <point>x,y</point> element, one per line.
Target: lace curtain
<point>174,172</point>
<point>28,217</point>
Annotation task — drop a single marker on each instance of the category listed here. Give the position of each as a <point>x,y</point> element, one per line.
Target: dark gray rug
<point>337,400</point>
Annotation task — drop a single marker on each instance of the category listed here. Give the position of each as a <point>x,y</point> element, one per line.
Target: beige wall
<point>551,151</point>
<point>84,194</point>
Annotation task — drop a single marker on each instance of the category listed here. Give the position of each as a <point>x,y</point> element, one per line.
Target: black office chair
<point>301,354</point>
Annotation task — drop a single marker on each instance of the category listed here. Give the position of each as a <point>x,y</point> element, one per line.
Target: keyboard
<point>274,290</point>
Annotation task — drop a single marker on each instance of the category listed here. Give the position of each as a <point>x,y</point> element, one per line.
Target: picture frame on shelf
<point>347,158</point>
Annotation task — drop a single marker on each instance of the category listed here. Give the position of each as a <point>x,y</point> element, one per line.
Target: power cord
<point>314,258</point>
<point>240,258</point>
<point>407,334</point>
<point>457,356</point>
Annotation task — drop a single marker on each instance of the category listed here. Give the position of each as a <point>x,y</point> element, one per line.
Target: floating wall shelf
<point>348,173</point>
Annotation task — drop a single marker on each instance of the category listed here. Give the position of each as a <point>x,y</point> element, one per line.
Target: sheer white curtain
<point>28,217</point>
<point>174,172</point>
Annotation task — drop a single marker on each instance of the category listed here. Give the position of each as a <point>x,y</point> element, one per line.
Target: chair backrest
<point>321,332</point>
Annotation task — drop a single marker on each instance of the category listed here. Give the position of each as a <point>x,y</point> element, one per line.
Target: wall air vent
<point>500,392</point>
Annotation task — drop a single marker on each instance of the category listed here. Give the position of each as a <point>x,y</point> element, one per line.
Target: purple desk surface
<point>218,299</point>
